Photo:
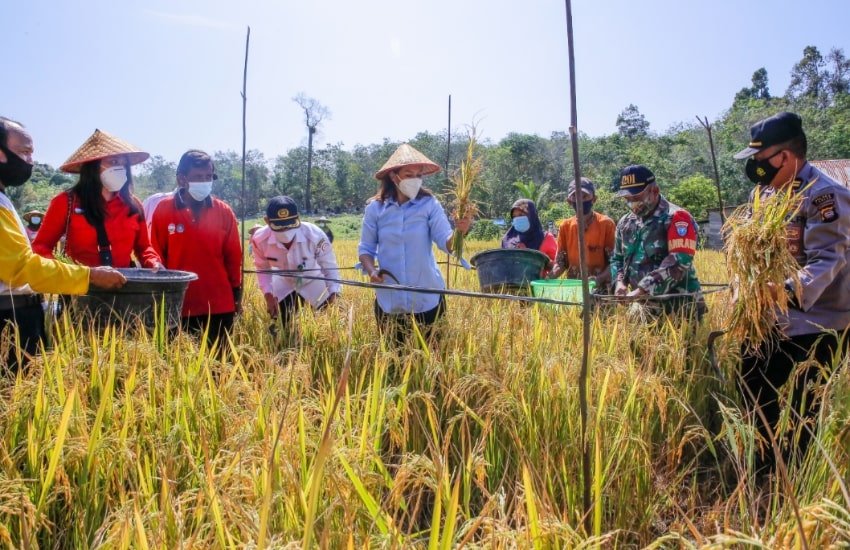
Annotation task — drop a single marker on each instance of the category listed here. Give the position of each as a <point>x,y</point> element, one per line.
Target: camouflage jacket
<point>657,253</point>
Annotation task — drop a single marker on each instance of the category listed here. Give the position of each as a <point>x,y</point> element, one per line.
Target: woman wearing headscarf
<point>527,232</point>
<point>102,221</point>
<point>33,223</point>
<point>401,224</point>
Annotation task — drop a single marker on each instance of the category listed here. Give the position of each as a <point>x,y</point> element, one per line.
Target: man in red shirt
<point>194,231</point>
<point>599,232</point>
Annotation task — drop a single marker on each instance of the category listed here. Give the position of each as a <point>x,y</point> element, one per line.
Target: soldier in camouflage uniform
<point>654,246</point>
<point>813,337</point>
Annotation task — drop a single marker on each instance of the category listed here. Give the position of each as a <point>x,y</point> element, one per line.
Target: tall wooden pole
<point>244,141</point>
<point>705,124</point>
<point>449,137</point>
<point>307,197</point>
<point>448,156</point>
<point>585,289</point>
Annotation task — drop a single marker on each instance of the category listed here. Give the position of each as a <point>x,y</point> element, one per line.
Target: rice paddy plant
<point>334,437</point>
<point>759,262</point>
<point>464,180</point>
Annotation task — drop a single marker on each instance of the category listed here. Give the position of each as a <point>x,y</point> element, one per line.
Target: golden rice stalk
<point>464,180</point>
<point>759,262</point>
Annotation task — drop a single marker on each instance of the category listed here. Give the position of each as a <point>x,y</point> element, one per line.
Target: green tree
<point>808,78</point>
<point>695,194</point>
<point>314,114</point>
<point>759,88</point>
<point>838,76</point>
<point>157,175</point>
<point>533,192</point>
<point>228,186</point>
<point>631,123</point>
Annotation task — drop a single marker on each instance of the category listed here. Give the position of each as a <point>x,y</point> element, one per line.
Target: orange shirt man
<point>599,238</point>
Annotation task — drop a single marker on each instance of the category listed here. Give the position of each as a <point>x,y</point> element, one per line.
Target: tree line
<point>531,165</point>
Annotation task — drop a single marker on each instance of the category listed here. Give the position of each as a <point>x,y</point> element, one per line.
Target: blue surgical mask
<point>521,223</point>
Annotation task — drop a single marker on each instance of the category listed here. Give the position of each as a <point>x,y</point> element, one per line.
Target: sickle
<point>389,274</point>
<point>712,358</point>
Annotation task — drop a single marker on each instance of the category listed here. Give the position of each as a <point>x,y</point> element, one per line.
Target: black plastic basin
<point>508,270</point>
<point>146,291</point>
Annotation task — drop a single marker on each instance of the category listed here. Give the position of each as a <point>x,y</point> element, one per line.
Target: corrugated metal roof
<point>839,170</point>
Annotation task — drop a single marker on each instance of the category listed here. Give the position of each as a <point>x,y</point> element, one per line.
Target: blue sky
<point>167,75</point>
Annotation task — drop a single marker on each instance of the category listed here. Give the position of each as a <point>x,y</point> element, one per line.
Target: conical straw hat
<point>101,145</point>
<point>406,155</point>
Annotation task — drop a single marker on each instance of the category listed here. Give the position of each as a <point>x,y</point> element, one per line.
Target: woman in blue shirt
<point>402,222</point>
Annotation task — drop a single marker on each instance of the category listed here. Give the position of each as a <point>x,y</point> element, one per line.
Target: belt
<point>14,301</point>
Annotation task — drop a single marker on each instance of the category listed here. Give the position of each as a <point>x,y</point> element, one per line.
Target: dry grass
<point>117,441</point>
<point>464,181</point>
<point>759,262</point>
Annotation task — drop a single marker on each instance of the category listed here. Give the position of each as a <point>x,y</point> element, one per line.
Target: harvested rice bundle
<point>759,263</point>
<point>464,180</point>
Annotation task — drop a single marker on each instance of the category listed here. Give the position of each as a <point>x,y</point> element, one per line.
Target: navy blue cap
<point>586,186</point>
<point>282,213</point>
<point>634,179</point>
<point>772,131</point>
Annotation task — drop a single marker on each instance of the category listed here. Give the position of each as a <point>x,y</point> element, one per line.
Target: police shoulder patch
<point>827,208</point>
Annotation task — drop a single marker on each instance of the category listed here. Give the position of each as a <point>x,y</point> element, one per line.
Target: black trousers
<point>286,309</point>
<point>401,326</point>
<point>765,376</point>
<point>219,325</point>
<point>30,323</point>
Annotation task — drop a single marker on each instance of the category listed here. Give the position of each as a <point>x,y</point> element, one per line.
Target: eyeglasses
<point>637,197</point>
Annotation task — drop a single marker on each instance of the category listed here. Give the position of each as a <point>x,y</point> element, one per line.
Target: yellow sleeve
<point>19,265</point>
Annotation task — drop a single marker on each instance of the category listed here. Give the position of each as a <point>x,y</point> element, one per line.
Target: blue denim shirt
<point>401,237</point>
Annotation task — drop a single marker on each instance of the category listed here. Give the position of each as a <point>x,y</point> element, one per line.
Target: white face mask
<point>35,220</point>
<point>113,179</point>
<point>409,187</point>
<point>200,190</point>
<point>285,236</point>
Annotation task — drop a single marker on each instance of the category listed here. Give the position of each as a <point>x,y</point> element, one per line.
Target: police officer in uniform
<point>819,238</point>
<point>654,246</point>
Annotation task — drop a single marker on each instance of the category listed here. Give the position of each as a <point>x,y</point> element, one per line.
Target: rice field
<point>333,438</point>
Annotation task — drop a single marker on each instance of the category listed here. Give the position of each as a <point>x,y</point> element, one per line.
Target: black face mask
<point>15,171</point>
<point>586,207</point>
<point>761,171</point>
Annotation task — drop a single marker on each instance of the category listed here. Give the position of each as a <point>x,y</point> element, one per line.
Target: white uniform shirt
<point>150,204</point>
<point>310,251</point>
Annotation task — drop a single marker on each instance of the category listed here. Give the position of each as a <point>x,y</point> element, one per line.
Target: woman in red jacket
<point>102,221</point>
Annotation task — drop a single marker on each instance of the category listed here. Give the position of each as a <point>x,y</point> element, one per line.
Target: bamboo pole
<point>448,156</point>
<point>585,288</point>
<point>705,124</point>
<point>244,142</point>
